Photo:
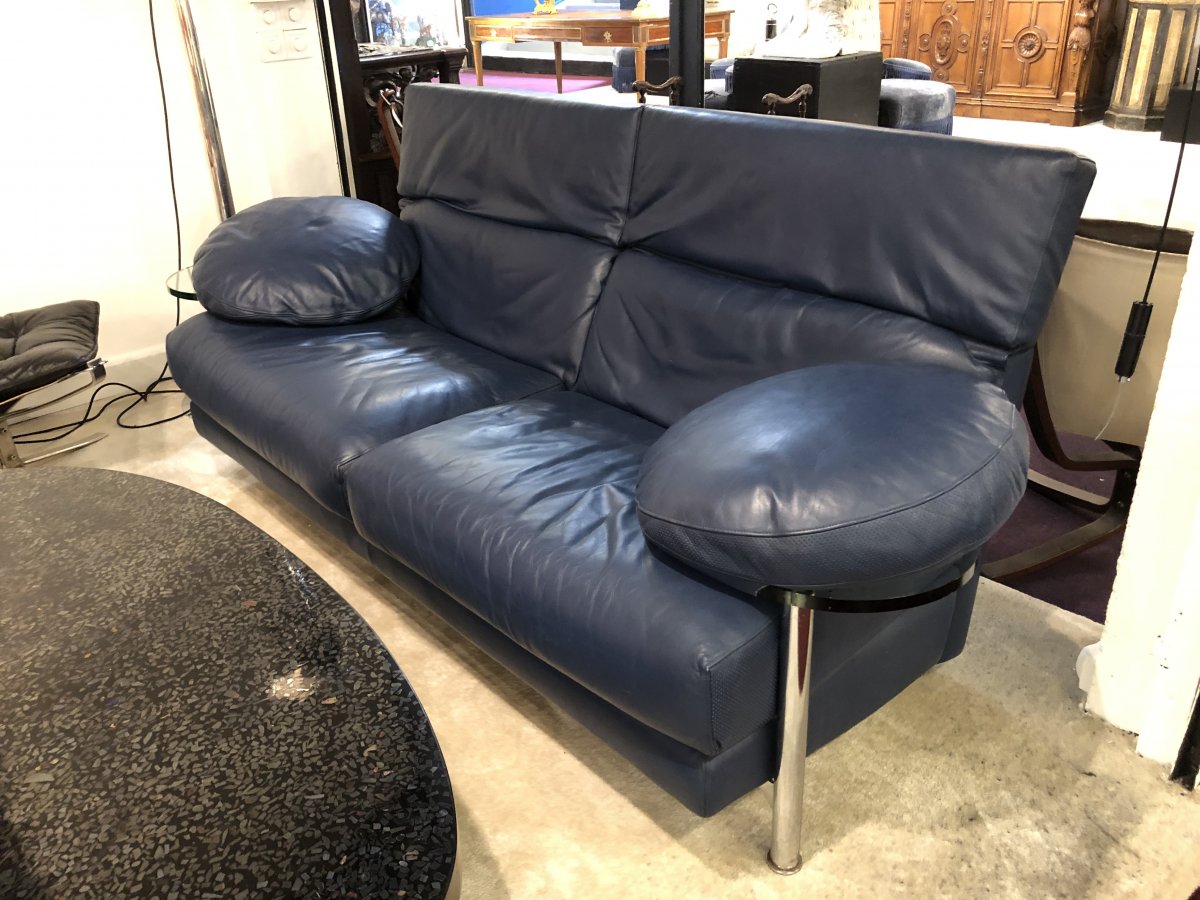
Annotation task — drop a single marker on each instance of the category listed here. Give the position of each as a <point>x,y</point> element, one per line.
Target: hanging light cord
<point>1183,142</point>
<point>1140,310</point>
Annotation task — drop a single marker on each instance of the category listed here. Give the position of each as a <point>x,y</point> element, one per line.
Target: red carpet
<point>518,81</point>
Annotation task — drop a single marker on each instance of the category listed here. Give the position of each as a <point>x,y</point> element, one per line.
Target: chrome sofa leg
<point>785,857</point>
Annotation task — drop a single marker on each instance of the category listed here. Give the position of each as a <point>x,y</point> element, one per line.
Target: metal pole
<point>687,49</point>
<point>208,113</point>
<point>785,857</point>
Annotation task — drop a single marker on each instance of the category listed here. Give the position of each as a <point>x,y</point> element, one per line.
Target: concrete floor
<point>982,779</point>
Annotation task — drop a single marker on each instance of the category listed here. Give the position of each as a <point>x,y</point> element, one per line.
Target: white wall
<point>1143,674</point>
<point>83,162</point>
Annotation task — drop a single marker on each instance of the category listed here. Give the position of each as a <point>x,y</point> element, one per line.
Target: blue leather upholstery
<point>504,147</point>
<point>859,663</point>
<point>309,400</point>
<point>524,292</point>
<point>538,496</point>
<point>668,337</point>
<point>722,70</point>
<point>305,261</point>
<point>624,71</point>
<point>871,215</point>
<point>836,475</point>
<point>649,261</point>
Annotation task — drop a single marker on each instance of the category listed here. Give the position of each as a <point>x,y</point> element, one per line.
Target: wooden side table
<point>625,28</point>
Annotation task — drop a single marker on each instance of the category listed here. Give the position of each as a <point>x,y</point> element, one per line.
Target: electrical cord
<point>153,389</point>
<point>1112,413</point>
<point>1140,310</point>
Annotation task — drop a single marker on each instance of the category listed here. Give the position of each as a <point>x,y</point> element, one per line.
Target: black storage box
<point>845,88</point>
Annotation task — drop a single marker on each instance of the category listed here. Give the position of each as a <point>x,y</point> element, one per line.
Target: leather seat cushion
<point>524,513</point>
<point>306,261</point>
<point>309,400</point>
<point>836,475</point>
<point>39,346</point>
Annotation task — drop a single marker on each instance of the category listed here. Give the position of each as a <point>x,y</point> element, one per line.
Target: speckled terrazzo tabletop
<point>187,711</point>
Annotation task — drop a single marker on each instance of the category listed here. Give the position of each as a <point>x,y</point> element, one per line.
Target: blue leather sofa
<point>804,338</point>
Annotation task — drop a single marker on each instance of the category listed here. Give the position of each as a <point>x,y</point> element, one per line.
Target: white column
<point>1143,675</point>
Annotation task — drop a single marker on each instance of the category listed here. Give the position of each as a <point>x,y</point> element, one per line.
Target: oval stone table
<point>187,711</point>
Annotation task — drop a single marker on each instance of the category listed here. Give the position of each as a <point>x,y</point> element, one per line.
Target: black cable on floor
<point>153,389</point>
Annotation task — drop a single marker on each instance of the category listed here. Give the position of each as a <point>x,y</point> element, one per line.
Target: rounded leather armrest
<point>835,476</point>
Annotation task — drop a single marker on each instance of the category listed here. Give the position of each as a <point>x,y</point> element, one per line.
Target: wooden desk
<point>625,28</point>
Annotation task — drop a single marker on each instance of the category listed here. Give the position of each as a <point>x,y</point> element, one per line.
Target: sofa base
<point>862,681</point>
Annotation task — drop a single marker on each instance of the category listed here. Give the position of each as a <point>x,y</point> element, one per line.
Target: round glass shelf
<point>180,285</point>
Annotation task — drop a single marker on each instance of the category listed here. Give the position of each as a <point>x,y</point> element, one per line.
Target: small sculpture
<point>543,8</point>
<point>818,29</point>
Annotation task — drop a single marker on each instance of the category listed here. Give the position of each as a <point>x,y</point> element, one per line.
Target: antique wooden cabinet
<point>1032,60</point>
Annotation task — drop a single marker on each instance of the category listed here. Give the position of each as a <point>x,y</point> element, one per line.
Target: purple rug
<point>517,81</point>
<point>1080,583</point>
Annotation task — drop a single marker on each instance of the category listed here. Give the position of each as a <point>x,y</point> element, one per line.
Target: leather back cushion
<point>525,293</point>
<point>561,165</point>
<point>668,337</point>
<point>968,235</point>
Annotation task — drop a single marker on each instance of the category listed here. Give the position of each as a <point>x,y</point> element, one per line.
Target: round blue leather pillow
<point>834,476</point>
<point>306,261</point>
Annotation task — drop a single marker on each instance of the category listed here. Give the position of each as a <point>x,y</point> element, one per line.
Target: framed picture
<point>414,23</point>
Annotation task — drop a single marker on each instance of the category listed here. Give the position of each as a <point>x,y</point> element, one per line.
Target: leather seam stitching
<point>340,468</point>
<point>620,248</point>
<point>257,316</point>
<point>637,143</point>
<point>862,521</point>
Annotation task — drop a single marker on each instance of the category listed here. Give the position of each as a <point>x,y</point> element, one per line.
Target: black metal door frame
<point>687,49</point>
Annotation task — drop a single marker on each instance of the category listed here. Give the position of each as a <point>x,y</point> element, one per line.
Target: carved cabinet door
<point>1027,48</point>
<point>945,35</point>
